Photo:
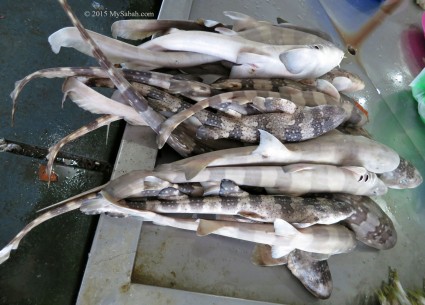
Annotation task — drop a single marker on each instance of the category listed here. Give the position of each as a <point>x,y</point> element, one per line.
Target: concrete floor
<point>39,273</point>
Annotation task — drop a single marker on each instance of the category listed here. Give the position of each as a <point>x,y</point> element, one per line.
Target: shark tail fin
<point>62,207</point>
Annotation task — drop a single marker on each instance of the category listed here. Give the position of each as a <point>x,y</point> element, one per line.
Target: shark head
<point>368,183</point>
<point>311,61</point>
<point>404,176</point>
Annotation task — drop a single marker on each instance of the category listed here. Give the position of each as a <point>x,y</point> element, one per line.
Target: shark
<point>326,149</point>
<point>300,212</point>
<point>262,60</point>
<point>293,179</point>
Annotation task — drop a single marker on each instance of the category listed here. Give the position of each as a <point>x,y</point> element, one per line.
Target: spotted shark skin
<point>369,222</point>
<point>403,177</point>
<point>327,239</point>
<point>159,99</point>
<point>302,124</point>
<point>344,81</point>
<point>298,93</point>
<point>313,274</point>
<point>300,212</point>
<point>305,123</point>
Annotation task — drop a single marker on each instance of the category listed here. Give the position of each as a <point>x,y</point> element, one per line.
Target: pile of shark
<point>272,144</point>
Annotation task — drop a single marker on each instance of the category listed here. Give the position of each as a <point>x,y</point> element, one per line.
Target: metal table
<point>136,263</point>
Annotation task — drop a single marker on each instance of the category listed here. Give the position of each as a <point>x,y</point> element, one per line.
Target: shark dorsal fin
<point>269,145</point>
<point>297,167</point>
<point>241,21</point>
<point>284,228</point>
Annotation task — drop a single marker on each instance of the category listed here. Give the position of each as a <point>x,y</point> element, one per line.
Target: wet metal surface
<point>48,267</point>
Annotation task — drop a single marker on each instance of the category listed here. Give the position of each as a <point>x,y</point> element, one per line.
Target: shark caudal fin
<point>60,208</point>
<point>269,146</point>
<point>283,228</point>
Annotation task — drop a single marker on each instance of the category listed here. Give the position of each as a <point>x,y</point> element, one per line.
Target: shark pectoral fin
<point>301,225</point>
<point>171,193</point>
<point>155,183</point>
<point>280,251</point>
<point>97,206</point>
<point>269,145</point>
<point>262,256</point>
<point>297,60</point>
<point>250,215</point>
<point>293,168</point>
<point>207,227</point>
<point>211,188</point>
<point>326,87</point>
<point>228,188</point>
